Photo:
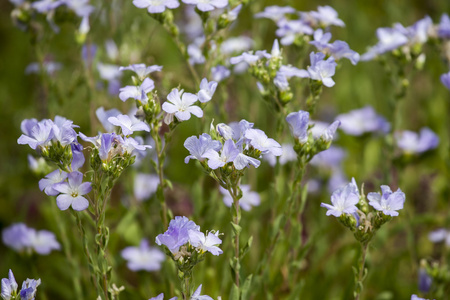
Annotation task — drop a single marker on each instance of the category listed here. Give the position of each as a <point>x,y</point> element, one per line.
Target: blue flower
<point>443,29</point>
<point>204,243</point>
<point>180,105</point>
<point>145,185</point>
<point>340,49</point>
<point>22,238</point>
<point>326,16</point>
<point>298,123</point>
<point>9,286</point>
<point>137,92</point>
<point>219,73</point>
<point>177,234</point>
<point>199,146</point>
<point>321,39</point>
<point>63,131</point>
<point>288,31</point>
<point>275,12</point>
<point>72,192</point>
<point>360,121</point>
<point>207,90</point>
<point>248,200</point>
<point>156,6</point>
<point>387,202</point>
<point>228,154</point>
<point>196,295</point>
<point>142,70</point>
<point>320,69</point>
<point>388,40</point>
<point>128,125</point>
<point>259,140</point>
<point>207,5</point>
<point>103,115</point>
<point>143,257</point>
<point>411,142</point>
<point>161,297</point>
<point>29,289</point>
<point>343,201</point>
<point>445,79</point>
<point>40,134</point>
<point>46,184</point>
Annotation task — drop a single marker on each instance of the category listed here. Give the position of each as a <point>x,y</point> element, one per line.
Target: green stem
<point>236,220</point>
<point>361,263</point>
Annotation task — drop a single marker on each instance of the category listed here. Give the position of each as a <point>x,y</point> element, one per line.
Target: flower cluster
<point>352,209</point>
<point>10,286</point>
<point>24,239</point>
<point>337,49</point>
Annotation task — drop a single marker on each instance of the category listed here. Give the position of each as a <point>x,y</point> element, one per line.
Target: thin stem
<point>236,220</point>
<point>362,261</point>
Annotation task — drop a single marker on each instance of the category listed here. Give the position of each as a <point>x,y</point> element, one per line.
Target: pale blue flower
<point>177,234</point>
<point>142,70</point>
<point>412,142</point>
<point>9,286</point>
<point>143,257</point>
<point>445,79</point>
<point>388,40</point>
<point>156,6</point>
<point>181,105</point>
<point>280,81</point>
<point>259,140</point>
<point>443,29</point>
<point>340,49</point>
<point>196,295</point>
<point>199,146</point>
<point>388,202</point>
<point>128,125</point>
<point>290,71</point>
<point>288,31</point>
<point>207,90</point>
<point>321,39</point>
<point>343,201</point>
<point>243,161</point>
<point>225,131</point>
<point>327,16</point>
<point>29,289</point>
<point>364,120</point>
<point>207,5</point>
<point>288,155</point>
<point>228,154</point>
<point>249,57</point>
<point>195,52</point>
<point>320,69</point>
<point>145,185</point>
<point>63,131</point>
<point>103,116</point>
<point>137,92</point>
<point>440,235</point>
<point>46,184</point>
<point>39,136</point>
<point>49,66</point>
<point>161,297</point>
<point>72,192</point>
<point>248,200</point>
<point>298,123</point>
<point>20,237</point>
<point>275,13</point>
<point>16,236</point>
<point>219,73</point>
<point>236,45</point>
<point>204,243</point>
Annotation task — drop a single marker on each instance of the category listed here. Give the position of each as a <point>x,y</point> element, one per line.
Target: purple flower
<point>236,45</point>
<point>128,125</point>
<point>424,281</point>
<point>321,39</point>
<point>180,104</point>
<point>72,192</point>
<point>196,295</point>
<point>445,79</point>
<point>156,6</point>
<point>131,145</point>
<point>45,6</point>
<point>195,52</point>
<point>204,243</point>
<point>411,142</point>
<point>228,154</point>
<point>137,92</point>
<point>63,131</point>
<point>207,5</point>
<point>344,200</point>
<point>177,234</point>
<point>298,123</point>
<point>360,121</point>
<point>330,158</point>
<point>443,29</point>
<point>225,131</point>
<point>280,81</point>
<point>240,128</point>
<point>321,69</point>
<point>143,257</point>
<point>289,155</point>
<point>327,16</point>
<point>259,140</point>
<point>145,185</point>
<point>290,71</point>
<point>249,57</point>
<point>243,161</point>
<point>388,202</point>
<point>388,40</point>
<point>440,235</point>
<point>39,136</point>
<point>161,297</point>
<point>199,146</point>
<point>207,90</point>
<point>415,297</point>
<point>340,49</point>
<point>9,286</point>
<point>103,115</point>
<point>42,241</point>
<point>275,12</point>
<point>28,124</point>
<point>220,73</point>
<point>49,66</point>
<point>46,184</point>
<point>29,289</point>
<point>329,132</point>
<point>248,200</point>
<point>288,31</point>
<point>142,70</point>
<point>16,236</point>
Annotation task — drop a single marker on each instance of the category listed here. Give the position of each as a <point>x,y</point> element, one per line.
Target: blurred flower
<point>440,235</point>
<point>248,200</point>
<point>412,142</point>
<point>220,73</point>
<point>387,202</point>
<point>145,185</point>
<point>9,286</point>
<point>72,192</point>
<point>207,90</point>
<point>360,121</point>
<point>288,155</point>
<point>142,70</point>
<point>288,31</point>
<point>112,74</point>
<point>195,52</point>
<point>320,69</point>
<point>207,5</point>
<point>143,257</point>
<point>29,289</point>
<point>39,135</point>
<point>156,6</point>
<point>20,237</point>
<point>177,234</point>
<point>326,16</point>
<point>330,158</point>
<point>344,200</point>
<point>443,29</point>
<point>199,146</point>
<point>137,92</point>
<point>103,116</point>
<point>204,243</point>
<point>445,79</point>
<point>128,125</point>
<point>49,66</point>
<point>236,45</point>
<point>298,123</point>
<point>46,184</point>
<point>275,13</point>
<point>424,281</point>
<point>180,105</point>
<point>388,40</point>
<point>161,297</point>
<point>16,236</point>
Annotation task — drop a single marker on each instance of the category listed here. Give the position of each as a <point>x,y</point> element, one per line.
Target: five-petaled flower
<point>72,192</point>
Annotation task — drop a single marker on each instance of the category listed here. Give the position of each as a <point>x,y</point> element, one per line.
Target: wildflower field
<point>225,149</point>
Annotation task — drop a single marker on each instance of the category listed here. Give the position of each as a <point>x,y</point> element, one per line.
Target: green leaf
<point>234,293</point>
<point>246,287</point>
<point>246,248</point>
<point>236,228</point>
